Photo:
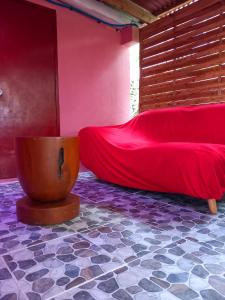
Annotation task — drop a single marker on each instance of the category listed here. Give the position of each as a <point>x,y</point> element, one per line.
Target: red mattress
<point>178,150</point>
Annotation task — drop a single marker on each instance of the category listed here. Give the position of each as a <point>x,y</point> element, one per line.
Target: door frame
<point>52,11</point>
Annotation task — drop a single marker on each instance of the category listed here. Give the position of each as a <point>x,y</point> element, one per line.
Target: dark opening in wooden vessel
<point>47,170</point>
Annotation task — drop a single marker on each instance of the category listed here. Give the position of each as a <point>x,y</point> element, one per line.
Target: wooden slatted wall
<point>182,57</point>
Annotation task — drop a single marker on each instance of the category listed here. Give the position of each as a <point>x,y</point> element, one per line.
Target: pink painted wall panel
<point>93,73</point>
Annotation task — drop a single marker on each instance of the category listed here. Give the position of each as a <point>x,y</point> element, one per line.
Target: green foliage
<point>134,97</point>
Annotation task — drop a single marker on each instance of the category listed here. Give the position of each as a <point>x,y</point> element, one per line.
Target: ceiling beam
<point>177,7</point>
<point>132,9</point>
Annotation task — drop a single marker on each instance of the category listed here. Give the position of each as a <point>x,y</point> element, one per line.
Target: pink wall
<point>93,73</point>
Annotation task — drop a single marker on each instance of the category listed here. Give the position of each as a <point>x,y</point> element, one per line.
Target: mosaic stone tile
<point>9,289</point>
<point>96,190</point>
<point>211,294</point>
<point>127,241</point>
<point>81,223</point>
<point>15,235</point>
<point>132,205</point>
<point>189,202</point>
<point>50,268</point>
<point>9,193</point>
<point>97,187</point>
<point>86,176</point>
<point>158,276</point>
<point>130,244</point>
<point>91,216</point>
<point>139,206</point>
<point>129,209</point>
<point>212,242</point>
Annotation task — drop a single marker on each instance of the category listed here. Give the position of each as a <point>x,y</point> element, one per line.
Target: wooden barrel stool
<point>47,170</point>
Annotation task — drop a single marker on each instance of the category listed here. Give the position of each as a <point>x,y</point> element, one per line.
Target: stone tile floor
<point>126,245</point>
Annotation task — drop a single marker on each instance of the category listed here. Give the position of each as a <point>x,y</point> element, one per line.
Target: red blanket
<point>178,150</point>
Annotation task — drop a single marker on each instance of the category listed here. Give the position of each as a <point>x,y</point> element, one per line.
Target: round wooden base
<point>41,213</point>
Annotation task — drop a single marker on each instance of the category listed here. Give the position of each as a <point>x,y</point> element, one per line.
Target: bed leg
<point>212,206</point>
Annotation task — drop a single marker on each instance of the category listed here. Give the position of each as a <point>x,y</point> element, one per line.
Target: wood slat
<point>184,39</point>
<point>172,75</point>
<point>176,86</point>
<point>182,57</point>
<point>211,36</point>
<point>209,13</point>
<point>189,102</point>
<point>178,17</point>
<point>214,59</point>
<point>196,24</point>
<point>194,98</point>
<point>172,98</point>
<point>210,48</point>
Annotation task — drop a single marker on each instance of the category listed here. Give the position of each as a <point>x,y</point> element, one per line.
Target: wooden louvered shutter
<point>182,57</point>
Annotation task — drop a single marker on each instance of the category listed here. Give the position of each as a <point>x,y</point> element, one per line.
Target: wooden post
<point>212,206</point>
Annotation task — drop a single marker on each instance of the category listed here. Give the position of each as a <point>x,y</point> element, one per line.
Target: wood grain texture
<point>182,16</point>
<point>38,166</point>
<point>34,213</point>
<point>47,170</point>
<point>212,206</point>
<point>132,9</point>
<point>182,57</point>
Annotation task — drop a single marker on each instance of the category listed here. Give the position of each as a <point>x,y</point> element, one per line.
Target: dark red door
<point>28,76</point>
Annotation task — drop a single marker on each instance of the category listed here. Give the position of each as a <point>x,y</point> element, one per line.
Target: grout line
<point>16,281</point>
<point>131,193</point>
<point>109,271</point>
<point>79,232</point>
<point>167,204</point>
<point>59,237</point>
<point>105,223</point>
<point>86,282</point>
<point>177,205</point>
<point>89,228</point>
<point>42,242</point>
